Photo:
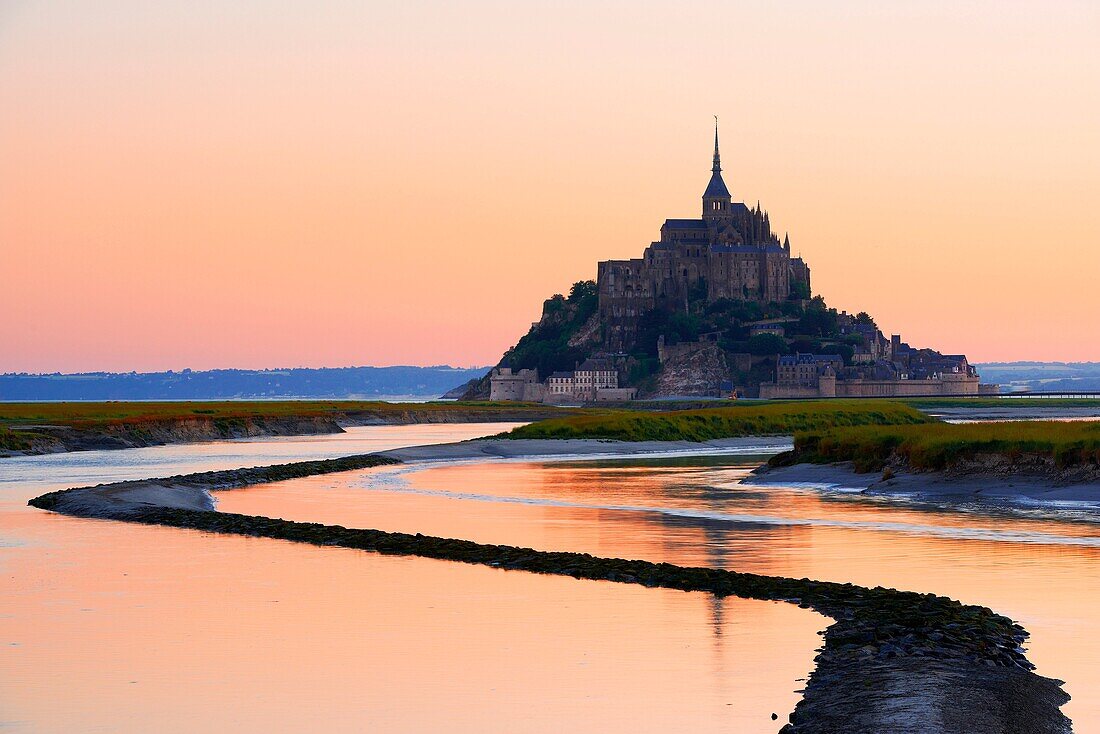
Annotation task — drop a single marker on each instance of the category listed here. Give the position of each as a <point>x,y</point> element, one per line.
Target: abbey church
<point>730,252</point>
<point>717,306</point>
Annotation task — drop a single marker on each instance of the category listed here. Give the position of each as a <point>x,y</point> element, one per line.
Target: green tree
<point>865,318</point>
<point>762,344</point>
<point>581,290</point>
<point>819,319</point>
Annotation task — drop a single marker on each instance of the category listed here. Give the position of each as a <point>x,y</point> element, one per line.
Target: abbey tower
<point>730,252</point>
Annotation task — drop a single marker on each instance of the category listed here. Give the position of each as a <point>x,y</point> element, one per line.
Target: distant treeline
<point>344,382</point>
<point>1045,376</point>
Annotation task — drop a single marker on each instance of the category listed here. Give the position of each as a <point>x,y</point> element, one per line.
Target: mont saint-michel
<point>718,306</point>
<point>416,367</point>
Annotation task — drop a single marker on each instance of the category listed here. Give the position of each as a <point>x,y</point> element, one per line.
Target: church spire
<point>717,167</point>
<point>716,199</point>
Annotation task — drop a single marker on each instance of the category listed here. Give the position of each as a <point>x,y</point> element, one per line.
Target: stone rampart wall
<point>953,385</point>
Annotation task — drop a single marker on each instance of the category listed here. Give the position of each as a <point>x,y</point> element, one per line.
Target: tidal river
<point>1038,566</point>
<point>113,627</point>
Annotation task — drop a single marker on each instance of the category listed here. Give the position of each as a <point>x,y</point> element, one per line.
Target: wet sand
<point>930,485</point>
<point>1010,412</point>
<point>498,448</point>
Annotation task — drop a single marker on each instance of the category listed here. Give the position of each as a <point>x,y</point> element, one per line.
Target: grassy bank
<point>87,415</point>
<point>12,441</point>
<point>741,419</point>
<point>938,446</point>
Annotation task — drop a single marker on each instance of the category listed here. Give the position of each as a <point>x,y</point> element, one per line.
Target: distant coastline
<point>1042,376</point>
<point>350,383</point>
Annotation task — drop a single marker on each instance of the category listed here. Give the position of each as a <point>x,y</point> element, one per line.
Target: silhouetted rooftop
<point>716,187</point>
<point>685,224</point>
<point>595,365</point>
<point>754,249</point>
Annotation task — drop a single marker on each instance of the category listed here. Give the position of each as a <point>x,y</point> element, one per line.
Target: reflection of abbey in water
<point>729,253</point>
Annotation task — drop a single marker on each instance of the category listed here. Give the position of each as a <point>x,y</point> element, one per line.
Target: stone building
<point>559,387</point>
<point>775,327</point>
<point>804,370</point>
<point>594,380</point>
<point>594,375</point>
<point>729,252</point>
<point>521,385</point>
<point>826,376</point>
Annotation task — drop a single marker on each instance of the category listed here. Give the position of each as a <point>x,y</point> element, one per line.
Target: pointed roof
<point>717,167</point>
<point>716,187</point>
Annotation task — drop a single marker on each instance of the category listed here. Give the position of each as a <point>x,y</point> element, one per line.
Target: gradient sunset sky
<point>260,184</point>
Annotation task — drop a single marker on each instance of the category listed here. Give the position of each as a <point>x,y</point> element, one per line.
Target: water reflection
<point>1039,568</point>
<point>115,627</point>
<point>139,629</point>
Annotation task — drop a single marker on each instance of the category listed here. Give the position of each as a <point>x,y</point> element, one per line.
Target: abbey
<point>728,253</point>
<point>716,307</point>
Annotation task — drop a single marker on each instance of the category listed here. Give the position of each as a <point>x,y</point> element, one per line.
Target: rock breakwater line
<point>893,661</point>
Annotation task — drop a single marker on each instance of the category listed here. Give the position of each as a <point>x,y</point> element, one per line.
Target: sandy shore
<point>930,485</point>
<point>126,498</point>
<point>191,492</point>
<point>542,448</point>
<point>1010,413</point>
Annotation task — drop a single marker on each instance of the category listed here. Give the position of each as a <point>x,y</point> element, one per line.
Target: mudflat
<point>518,448</point>
<point>933,484</point>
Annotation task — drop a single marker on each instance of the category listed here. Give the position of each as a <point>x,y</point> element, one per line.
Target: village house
<point>594,380</point>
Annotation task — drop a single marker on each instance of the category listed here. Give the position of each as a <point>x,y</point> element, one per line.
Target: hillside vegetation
<point>938,446</point>
<point>725,422</point>
<point>556,342</point>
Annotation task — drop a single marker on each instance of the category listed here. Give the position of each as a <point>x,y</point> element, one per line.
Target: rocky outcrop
<point>456,393</point>
<point>1015,467</point>
<point>691,368</point>
<point>588,335</point>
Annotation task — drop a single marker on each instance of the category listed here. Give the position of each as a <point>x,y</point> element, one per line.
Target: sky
<point>279,183</point>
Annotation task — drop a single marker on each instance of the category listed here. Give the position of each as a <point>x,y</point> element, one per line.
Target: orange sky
<point>200,184</point>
